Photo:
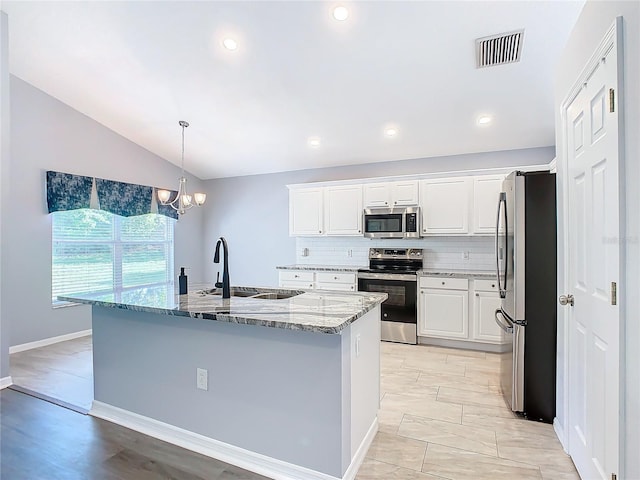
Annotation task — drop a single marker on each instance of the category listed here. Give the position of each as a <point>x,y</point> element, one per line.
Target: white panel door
<point>343,210</point>
<point>445,205</point>
<point>486,191</point>
<point>404,193</point>
<point>444,313</point>
<point>593,249</point>
<point>377,194</point>
<point>306,211</point>
<point>485,328</point>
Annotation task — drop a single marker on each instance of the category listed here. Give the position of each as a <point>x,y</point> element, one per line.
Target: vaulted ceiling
<point>298,75</point>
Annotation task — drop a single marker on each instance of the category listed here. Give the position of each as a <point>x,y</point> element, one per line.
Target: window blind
<point>96,252</point>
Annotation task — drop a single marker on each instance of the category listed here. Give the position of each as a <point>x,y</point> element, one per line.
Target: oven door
<point>399,314</point>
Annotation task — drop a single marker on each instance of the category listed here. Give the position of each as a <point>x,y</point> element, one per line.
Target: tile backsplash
<point>441,253</point>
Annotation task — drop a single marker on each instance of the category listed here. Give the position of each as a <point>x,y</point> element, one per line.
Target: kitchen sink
<point>274,295</point>
<point>251,294</point>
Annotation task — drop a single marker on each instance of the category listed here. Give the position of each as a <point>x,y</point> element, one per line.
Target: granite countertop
<point>330,268</point>
<point>458,274</point>
<point>313,311</point>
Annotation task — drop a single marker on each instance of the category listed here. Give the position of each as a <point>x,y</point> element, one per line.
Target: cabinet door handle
<point>477,294</point>
<point>335,278</point>
<point>443,283</point>
<point>493,285</point>
<point>296,276</point>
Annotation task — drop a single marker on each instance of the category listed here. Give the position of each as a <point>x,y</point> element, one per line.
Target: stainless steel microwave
<point>398,222</point>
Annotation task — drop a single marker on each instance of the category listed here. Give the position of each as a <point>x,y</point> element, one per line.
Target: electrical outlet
<point>465,255</point>
<point>358,345</point>
<point>202,379</point>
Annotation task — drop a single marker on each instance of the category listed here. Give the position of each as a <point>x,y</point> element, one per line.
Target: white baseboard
<point>358,458</point>
<point>48,341</point>
<point>5,382</point>
<point>254,462</point>
<point>557,427</point>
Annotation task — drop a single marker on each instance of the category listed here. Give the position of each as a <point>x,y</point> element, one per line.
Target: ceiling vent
<point>499,49</point>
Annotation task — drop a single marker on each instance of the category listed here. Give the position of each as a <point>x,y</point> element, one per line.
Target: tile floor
<point>441,414</point>
<point>442,417</point>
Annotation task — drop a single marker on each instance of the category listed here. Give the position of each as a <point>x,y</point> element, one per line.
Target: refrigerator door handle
<point>508,327</point>
<point>502,200</point>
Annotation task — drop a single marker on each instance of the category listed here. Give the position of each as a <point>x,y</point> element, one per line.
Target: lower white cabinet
<point>342,281</point>
<point>485,303</point>
<point>318,279</point>
<point>296,279</point>
<point>459,309</point>
<point>443,308</point>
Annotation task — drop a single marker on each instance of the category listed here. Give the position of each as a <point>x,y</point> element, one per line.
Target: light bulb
<point>164,195</point>
<point>230,44</point>
<point>186,200</point>
<point>199,198</point>
<point>340,13</point>
<point>484,120</point>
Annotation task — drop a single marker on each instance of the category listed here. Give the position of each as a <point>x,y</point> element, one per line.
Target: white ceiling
<point>140,66</point>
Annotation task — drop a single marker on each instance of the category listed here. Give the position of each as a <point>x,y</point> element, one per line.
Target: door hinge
<point>612,97</point>
<point>614,293</point>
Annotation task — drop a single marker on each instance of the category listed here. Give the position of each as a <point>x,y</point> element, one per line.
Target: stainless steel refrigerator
<point>526,264</point>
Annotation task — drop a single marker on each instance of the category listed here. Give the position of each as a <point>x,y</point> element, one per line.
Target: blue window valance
<point>66,191</point>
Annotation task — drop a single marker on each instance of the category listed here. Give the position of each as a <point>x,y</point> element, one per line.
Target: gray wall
<point>252,212</point>
<point>49,135</point>
<point>4,177</point>
<point>594,21</point>
<point>273,391</point>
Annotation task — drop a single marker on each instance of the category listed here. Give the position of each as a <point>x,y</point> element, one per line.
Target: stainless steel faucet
<point>226,290</point>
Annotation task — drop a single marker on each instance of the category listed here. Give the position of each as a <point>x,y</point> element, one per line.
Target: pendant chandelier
<point>183,201</point>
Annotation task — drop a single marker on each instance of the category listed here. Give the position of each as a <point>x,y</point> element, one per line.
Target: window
<point>96,252</point>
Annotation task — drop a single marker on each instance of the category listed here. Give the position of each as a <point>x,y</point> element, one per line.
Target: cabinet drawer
<point>296,275</point>
<point>444,282</point>
<point>343,287</point>
<point>486,285</point>
<point>335,277</point>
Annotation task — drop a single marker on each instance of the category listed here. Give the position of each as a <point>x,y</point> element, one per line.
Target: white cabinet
<point>296,279</point>
<point>443,308</point>
<point>485,303</point>
<point>391,194</point>
<point>343,210</point>
<point>377,194</point>
<point>486,191</point>
<point>342,281</point>
<point>446,203</point>
<point>306,211</point>
<point>318,279</point>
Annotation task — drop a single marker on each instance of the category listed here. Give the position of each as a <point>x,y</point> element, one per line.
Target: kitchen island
<point>289,380</point>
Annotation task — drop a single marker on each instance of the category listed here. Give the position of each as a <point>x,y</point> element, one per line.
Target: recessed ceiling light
<point>230,44</point>
<point>391,131</point>
<point>340,13</point>
<point>484,120</point>
<point>314,142</point>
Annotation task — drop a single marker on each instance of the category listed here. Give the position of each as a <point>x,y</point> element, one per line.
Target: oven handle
<point>388,276</point>
<point>506,328</point>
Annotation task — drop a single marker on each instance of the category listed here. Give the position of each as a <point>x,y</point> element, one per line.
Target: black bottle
<point>182,282</point>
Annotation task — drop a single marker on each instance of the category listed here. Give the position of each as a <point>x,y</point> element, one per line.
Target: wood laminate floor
<point>441,417</point>
<point>42,441</point>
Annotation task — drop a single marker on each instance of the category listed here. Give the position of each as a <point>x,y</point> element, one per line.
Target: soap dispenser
<point>182,282</point>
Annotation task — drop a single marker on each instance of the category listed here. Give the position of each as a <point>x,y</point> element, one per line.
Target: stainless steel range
<point>393,271</point>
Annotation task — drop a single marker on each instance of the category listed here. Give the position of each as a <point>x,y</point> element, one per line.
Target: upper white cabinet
<point>390,194</point>
<point>445,205</point>
<point>486,191</point>
<point>343,210</point>
<point>306,211</point>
